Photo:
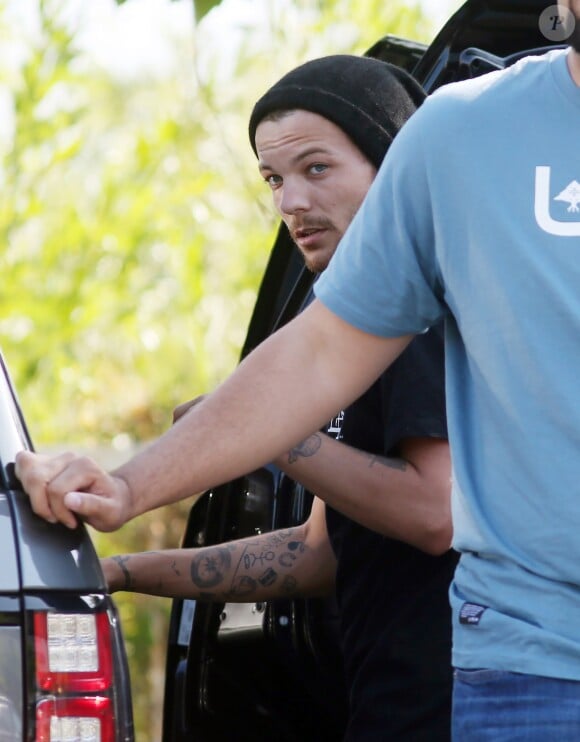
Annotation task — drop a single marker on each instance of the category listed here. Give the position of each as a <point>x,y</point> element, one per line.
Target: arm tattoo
<point>268,578</point>
<point>305,449</point>
<point>399,464</point>
<point>207,570</point>
<point>277,538</point>
<point>225,572</point>
<point>175,569</point>
<point>121,561</point>
<point>243,585</point>
<point>289,585</point>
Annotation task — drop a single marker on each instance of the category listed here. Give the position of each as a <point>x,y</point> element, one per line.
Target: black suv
<point>271,671</point>
<point>63,669</point>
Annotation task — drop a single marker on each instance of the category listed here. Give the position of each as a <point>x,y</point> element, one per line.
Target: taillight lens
<point>73,652</point>
<point>74,677</point>
<point>74,720</point>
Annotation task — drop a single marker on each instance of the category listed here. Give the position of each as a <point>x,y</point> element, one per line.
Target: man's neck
<point>574,65</point>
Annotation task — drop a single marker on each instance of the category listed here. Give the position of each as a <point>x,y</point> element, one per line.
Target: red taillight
<point>73,652</point>
<point>74,677</point>
<point>82,719</point>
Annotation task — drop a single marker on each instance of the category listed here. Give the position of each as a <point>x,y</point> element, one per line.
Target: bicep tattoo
<point>305,449</point>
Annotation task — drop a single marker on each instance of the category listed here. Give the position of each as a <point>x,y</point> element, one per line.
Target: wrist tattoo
<point>305,449</point>
<point>121,560</point>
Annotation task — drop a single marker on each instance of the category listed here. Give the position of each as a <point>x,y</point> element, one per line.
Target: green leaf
<point>202,7</point>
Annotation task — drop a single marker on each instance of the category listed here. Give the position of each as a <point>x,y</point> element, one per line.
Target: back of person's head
<point>368,99</point>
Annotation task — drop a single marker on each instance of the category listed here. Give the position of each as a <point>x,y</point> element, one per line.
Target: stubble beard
<point>314,265</point>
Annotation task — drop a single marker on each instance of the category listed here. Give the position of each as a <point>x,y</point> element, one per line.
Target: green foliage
<point>118,281</point>
<point>201,7</point>
<point>134,232</point>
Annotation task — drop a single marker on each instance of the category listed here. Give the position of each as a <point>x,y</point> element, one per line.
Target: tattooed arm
<point>286,563</point>
<point>406,498</point>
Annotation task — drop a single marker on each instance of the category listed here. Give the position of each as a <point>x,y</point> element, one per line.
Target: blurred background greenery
<point>134,226</point>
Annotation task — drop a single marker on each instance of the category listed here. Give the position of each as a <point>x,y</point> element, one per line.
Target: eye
<point>273,180</point>
<point>317,168</point>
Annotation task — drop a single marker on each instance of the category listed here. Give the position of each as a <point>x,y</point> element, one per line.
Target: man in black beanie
<point>320,135</point>
<point>379,530</point>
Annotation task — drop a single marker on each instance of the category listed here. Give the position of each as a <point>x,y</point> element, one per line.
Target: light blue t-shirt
<point>475,216</point>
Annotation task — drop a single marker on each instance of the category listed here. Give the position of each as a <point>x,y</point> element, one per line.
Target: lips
<point>308,236</point>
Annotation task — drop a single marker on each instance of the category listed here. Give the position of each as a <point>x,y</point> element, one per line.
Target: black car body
<point>63,669</point>
<point>271,671</point>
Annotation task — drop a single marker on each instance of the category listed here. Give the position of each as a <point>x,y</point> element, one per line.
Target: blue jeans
<point>498,706</point>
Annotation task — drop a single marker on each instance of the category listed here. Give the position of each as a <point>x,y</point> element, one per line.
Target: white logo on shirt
<point>570,194</point>
<point>335,426</point>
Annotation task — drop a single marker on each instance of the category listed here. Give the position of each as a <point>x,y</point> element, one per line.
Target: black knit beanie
<point>368,99</point>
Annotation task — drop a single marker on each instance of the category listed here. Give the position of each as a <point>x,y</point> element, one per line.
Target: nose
<point>294,197</point>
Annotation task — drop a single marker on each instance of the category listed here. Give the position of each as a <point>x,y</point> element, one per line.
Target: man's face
<point>318,178</point>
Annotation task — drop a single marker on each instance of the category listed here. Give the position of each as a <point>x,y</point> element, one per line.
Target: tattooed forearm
<point>399,464</point>
<point>246,569</point>
<point>122,561</point>
<point>305,449</point>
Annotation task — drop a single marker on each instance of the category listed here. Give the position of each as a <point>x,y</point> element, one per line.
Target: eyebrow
<point>318,150</point>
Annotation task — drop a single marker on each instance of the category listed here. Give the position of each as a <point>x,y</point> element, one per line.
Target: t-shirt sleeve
<point>384,277</point>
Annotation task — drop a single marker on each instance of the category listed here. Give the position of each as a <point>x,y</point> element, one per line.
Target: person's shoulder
<point>511,81</point>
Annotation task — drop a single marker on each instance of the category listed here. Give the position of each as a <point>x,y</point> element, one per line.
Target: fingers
<point>79,474</point>
<point>180,411</point>
<point>65,488</point>
<point>104,510</point>
<point>36,472</point>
